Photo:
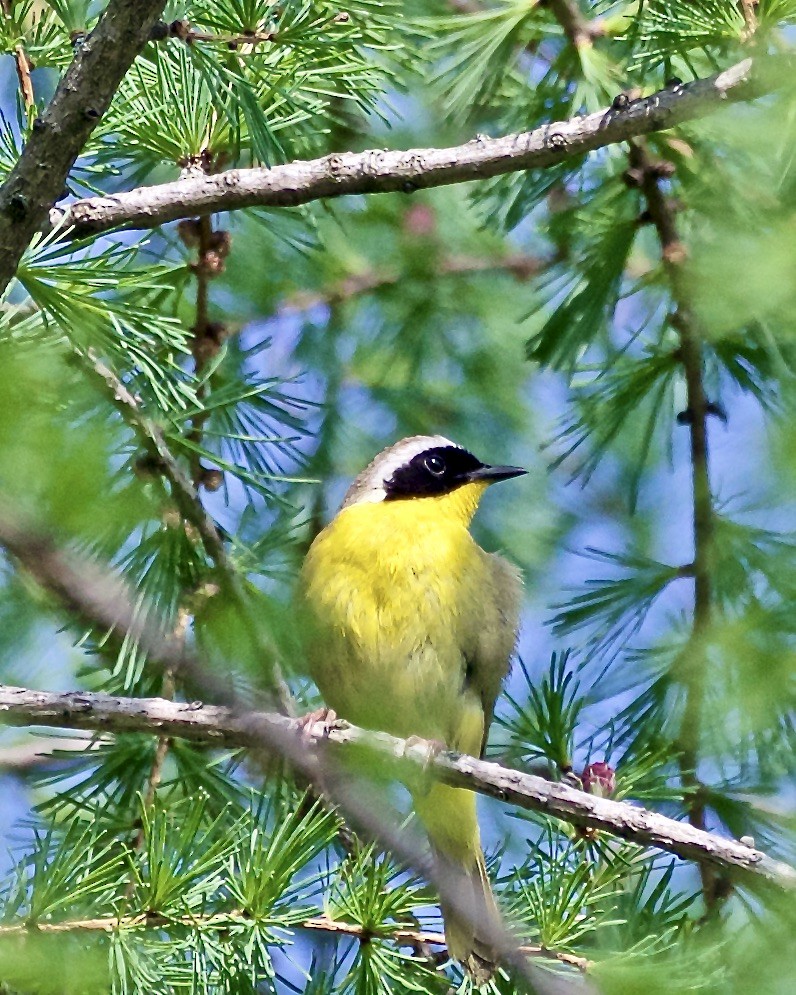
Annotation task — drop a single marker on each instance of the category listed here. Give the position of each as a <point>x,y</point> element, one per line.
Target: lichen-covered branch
<point>224,727</point>
<point>379,171</point>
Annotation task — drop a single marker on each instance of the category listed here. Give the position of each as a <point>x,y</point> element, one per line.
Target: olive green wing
<point>498,637</point>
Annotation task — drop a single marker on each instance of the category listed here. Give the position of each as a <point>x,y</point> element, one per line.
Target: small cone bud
<point>599,778</point>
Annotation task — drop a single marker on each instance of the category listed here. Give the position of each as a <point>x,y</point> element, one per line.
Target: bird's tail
<point>472,920</point>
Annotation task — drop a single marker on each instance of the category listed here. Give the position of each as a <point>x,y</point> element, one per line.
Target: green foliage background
<point>529,318</point>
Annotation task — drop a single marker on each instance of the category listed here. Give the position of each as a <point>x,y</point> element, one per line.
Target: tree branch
<point>57,137</point>
<point>378,171</point>
<point>692,663</point>
<point>580,31</point>
<point>224,920</point>
<point>83,586</point>
<point>183,490</point>
<point>222,727</point>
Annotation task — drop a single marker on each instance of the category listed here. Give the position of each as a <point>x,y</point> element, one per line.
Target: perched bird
<point>413,626</point>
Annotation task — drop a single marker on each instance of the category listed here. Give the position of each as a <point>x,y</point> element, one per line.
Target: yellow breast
<point>395,590</point>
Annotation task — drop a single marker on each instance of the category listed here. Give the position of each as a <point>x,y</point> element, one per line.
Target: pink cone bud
<point>599,778</point>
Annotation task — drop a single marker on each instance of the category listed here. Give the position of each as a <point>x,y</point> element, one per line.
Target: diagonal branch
<point>379,171</point>
<point>58,136</point>
<point>224,727</point>
<point>185,494</point>
<point>84,586</point>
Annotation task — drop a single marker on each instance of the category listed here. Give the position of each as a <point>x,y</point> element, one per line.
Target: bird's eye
<point>435,465</point>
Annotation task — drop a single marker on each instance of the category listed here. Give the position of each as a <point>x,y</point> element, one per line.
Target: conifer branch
<point>224,920</point>
<point>184,492</point>
<point>190,507</point>
<point>219,726</point>
<point>691,666</point>
<point>83,586</point>
<point>378,171</point>
<point>58,136</point>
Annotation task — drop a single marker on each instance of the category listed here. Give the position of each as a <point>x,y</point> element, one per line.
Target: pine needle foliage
<point>544,318</point>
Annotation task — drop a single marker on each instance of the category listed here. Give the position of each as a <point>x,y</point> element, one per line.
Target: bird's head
<point>427,468</point>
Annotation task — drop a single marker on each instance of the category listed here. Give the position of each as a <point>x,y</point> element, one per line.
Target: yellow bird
<point>413,627</point>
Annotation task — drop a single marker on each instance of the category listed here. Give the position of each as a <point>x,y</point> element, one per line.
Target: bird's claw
<point>429,750</point>
<point>308,724</point>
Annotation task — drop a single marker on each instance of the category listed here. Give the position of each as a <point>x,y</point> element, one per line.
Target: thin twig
<point>519,265</point>
<point>23,64</point>
<point>185,494</point>
<point>193,511</point>
<point>226,728</point>
<point>163,744</point>
<point>692,665</point>
<point>579,30</point>
<point>224,920</point>
<point>379,171</point>
<point>748,10</point>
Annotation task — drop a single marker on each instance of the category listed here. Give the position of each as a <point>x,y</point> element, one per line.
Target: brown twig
<point>579,29</point>
<point>207,336</point>
<point>23,64</point>
<point>377,171</point>
<point>185,494</point>
<point>692,665</point>
<point>224,920</point>
<point>748,10</point>
<point>155,776</point>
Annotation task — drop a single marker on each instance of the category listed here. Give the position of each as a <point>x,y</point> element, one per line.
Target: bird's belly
<point>391,645</point>
<point>394,670</point>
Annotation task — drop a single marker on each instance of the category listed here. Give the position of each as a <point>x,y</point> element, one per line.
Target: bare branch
<point>223,727</point>
<point>83,95</point>
<point>379,171</point>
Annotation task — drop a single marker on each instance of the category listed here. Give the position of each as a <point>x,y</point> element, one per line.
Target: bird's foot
<point>426,751</point>
<point>317,724</point>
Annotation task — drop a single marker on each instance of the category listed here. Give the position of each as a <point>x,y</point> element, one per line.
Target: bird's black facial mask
<point>439,471</point>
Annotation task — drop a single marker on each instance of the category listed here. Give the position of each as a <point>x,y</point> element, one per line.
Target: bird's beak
<point>491,474</point>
